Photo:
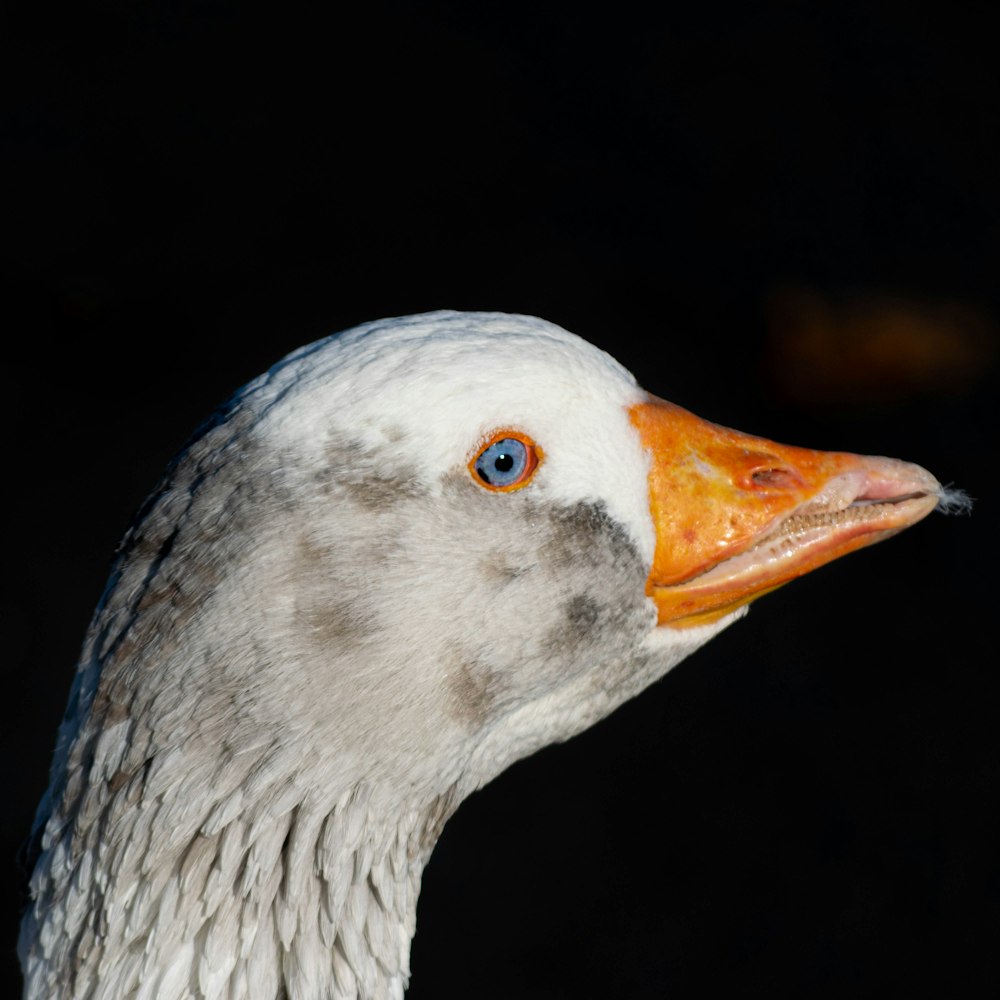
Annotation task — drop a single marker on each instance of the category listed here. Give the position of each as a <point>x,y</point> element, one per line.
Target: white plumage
<point>324,631</point>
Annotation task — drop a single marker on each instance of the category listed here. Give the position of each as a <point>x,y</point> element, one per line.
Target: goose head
<point>400,560</point>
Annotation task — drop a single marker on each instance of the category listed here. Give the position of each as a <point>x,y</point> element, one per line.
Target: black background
<point>782,216</point>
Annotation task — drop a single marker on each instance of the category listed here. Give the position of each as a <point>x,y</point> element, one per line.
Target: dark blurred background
<point>783,216</point>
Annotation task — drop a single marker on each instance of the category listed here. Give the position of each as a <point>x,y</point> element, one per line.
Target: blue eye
<point>505,463</point>
<point>502,463</point>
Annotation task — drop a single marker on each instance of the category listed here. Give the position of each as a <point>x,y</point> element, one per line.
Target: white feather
<point>293,678</point>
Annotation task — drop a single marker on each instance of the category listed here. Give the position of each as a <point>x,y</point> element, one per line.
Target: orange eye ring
<point>505,461</point>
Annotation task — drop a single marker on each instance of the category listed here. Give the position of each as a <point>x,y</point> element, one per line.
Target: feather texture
<point>320,635</point>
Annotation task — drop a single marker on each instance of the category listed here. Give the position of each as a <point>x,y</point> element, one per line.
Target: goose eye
<point>505,462</point>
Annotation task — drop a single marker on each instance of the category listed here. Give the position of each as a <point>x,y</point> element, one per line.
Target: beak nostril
<point>775,479</point>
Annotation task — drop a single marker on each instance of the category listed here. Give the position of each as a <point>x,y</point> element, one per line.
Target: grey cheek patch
<point>369,476</point>
<point>473,687</point>
<point>496,568</point>
<point>335,625</point>
<point>583,615</point>
<point>379,490</point>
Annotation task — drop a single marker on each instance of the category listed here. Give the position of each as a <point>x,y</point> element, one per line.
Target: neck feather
<point>269,904</point>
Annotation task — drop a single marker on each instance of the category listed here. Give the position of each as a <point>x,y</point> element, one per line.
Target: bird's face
<point>521,538</point>
<point>397,562</point>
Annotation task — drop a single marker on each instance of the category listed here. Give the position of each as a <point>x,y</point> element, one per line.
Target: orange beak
<point>737,516</point>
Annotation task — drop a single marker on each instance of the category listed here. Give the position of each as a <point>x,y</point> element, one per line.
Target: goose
<point>405,557</point>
